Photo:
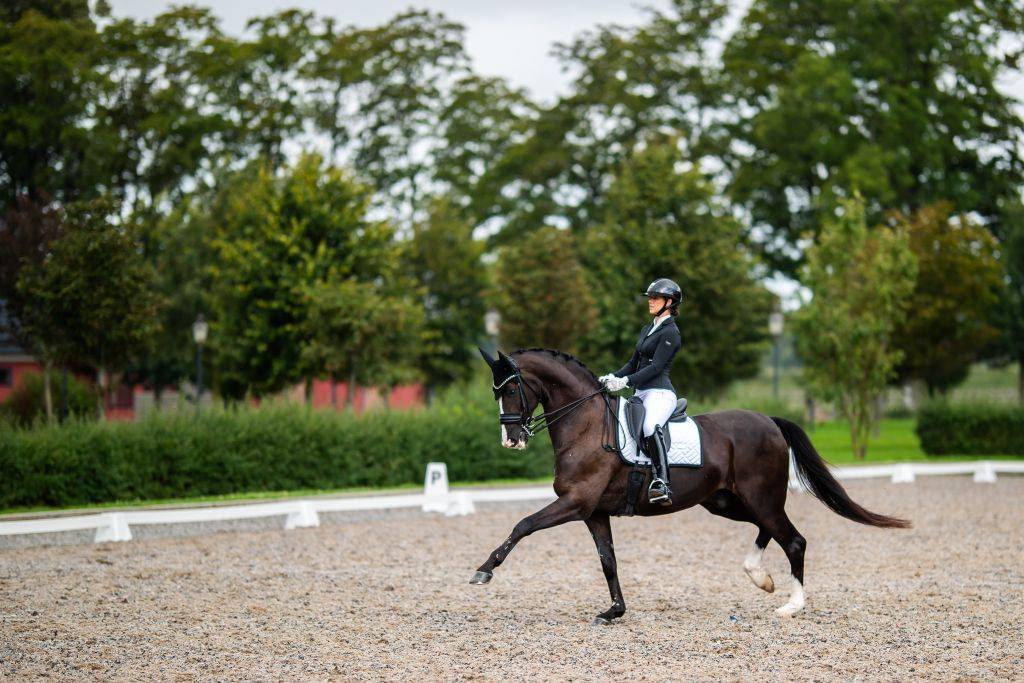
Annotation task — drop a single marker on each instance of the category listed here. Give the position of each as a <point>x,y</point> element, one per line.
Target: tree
<point>660,222</point>
<point>959,277</point>
<point>629,84</point>
<point>898,99</point>
<point>860,280</point>
<point>48,51</point>
<point>27,232</point>
<point>541,292</point>
<point>177,249</point>
<point>1010,312</point>
<point>292,250</point>
<point>445,259</point>
<point>90,301</point>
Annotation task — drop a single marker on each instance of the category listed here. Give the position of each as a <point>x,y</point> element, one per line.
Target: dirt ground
<point>387,597</point>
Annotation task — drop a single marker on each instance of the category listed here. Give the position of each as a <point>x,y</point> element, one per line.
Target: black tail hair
<point>813,473</point>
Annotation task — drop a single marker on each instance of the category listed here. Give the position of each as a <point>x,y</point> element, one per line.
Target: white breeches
<point>659,404</point>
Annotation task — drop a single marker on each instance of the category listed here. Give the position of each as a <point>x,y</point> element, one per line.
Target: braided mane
<point>569,359</point>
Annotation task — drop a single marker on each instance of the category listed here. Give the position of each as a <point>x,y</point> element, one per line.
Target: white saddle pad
<point>684,451</point>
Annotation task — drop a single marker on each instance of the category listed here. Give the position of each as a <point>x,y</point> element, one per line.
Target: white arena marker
<point>113,529</point>
<point>435,488</point>
<point>985,474</point>
<point>460,504</point>
<point>903,474</point>
<point>304,516</point>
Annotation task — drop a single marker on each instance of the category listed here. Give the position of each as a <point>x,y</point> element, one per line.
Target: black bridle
<point>531,424</point>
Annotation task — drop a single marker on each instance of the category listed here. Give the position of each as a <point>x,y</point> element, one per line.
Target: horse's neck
<point>562,387</point>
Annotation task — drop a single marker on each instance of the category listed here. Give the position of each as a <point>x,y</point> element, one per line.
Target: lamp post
<point>492,323</point>
<point>199,331</point>
<point>775,322</point>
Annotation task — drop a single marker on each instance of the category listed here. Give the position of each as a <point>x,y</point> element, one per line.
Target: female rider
<point>647,372</point>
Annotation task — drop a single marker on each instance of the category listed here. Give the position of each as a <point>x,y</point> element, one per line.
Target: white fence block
<point>435,488</point>
<point>113,528</point>
<point>116,526</point>
<point>985,474</point>
<point>903,474</point>
<point>303,517</point>
<point>460,504</point>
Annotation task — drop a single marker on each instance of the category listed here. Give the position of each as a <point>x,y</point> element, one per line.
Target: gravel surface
<point>387,597</point>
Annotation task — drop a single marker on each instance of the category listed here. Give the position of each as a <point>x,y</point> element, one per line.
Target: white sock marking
<point>796,601</point>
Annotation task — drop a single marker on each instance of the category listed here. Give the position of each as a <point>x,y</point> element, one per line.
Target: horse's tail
<point>813,473</point>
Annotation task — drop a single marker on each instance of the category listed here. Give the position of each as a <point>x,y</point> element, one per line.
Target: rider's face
<point>655,303</point>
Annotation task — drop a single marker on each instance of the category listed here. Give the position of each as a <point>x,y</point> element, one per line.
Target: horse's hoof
<point>601,621</point>
<point>481,578</point>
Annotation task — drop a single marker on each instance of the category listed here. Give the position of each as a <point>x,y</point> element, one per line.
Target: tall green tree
<point>663,222</point>
<point>949,313</point>
<point>27,231</point>
<point>629,84</point>
<point>898,99</point>
<point>283,243</point>
<point>541,292</point>
<point>1010,313</point>
<point>860,280</point>
<point>90,302</point>
<point>48,55</point>
<point>445,259</point>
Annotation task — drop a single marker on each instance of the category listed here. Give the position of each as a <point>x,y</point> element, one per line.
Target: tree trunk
<point>47,394</point>
<point>63,412</point>
<point>158,395</point>
<point>101,384</point>
<point>350,396</point>
<point>1020,379</point>
<point>309,392</point>
<point>334,392</point>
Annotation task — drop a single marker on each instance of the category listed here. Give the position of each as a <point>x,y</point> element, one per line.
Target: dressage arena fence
<point>436,497</point>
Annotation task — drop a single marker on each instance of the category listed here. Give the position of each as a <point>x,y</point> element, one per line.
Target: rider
<point>647,372</point>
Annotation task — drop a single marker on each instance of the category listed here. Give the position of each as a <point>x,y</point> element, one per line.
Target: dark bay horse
<point>744,476</point>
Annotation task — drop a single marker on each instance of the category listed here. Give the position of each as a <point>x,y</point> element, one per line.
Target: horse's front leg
<point>563,510</point>
<point>601,529</point>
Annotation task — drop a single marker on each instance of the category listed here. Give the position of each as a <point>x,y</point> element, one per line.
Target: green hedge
<point>270,449</point>
<point>971,429</point>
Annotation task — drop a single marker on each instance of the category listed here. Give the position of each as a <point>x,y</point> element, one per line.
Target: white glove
<point>604,378</point>
<point>613,383</point>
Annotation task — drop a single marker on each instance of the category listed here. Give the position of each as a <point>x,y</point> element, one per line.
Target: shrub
<point>283,447</point>
<point>971,429</point>
<point>26,403</point>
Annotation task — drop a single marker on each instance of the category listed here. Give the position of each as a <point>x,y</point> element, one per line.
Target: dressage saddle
<point>635,413</point>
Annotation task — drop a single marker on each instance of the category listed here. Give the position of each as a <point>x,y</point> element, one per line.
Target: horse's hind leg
<point>726,504</point>
<point>601,529</point>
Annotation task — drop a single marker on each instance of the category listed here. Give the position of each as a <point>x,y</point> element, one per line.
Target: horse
<point>744,475</point>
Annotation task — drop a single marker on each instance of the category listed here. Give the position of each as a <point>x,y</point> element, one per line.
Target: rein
<point>535,424</point>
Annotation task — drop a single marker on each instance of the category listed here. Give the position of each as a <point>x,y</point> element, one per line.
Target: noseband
<point>534,425</point>
<point>525,422</point>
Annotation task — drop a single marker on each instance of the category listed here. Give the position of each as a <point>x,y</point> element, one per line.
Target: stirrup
<point>658,492</point>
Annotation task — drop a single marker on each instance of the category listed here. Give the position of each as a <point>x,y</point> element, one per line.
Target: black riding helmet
<point>666,288</point>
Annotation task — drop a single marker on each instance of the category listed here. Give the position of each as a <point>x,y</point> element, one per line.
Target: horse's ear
<point>487,356</point>
<point>502,356</point>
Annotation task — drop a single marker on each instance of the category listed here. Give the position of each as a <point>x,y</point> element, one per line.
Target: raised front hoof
<point>761,579</point>
<point>481,578</point>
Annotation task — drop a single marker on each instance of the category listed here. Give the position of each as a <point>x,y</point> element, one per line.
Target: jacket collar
<point>670,322</point>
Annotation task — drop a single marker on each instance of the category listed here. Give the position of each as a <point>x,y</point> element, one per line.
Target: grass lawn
<point>896,442</point>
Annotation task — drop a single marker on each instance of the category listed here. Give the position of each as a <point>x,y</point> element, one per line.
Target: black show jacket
<point>652,357</point>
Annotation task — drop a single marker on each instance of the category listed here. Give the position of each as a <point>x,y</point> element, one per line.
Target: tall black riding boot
<point>659,491</point>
